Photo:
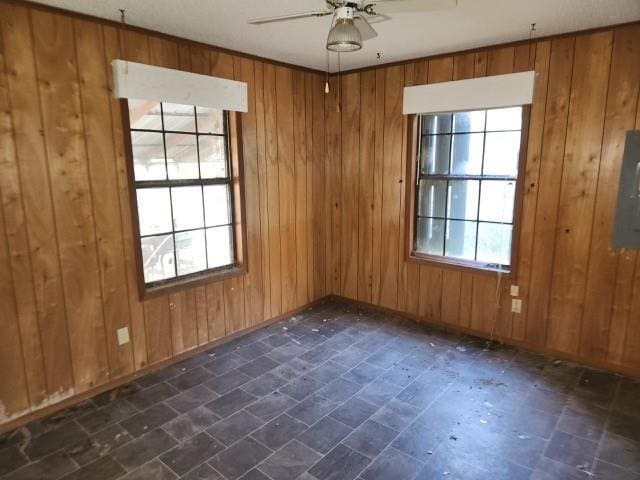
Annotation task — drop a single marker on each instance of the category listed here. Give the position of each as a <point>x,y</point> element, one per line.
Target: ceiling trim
<point>494,46</point>
<point>148,31</point>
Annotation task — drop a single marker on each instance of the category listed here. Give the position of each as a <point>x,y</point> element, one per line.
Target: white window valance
<point>147,82</point>
<point>496,91</point>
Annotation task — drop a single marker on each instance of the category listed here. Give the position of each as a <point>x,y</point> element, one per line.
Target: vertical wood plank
<point>577,197</point>
<point>366,174</point>
<point>319,193</point>
<point>541,55</point>
<point>334,183</point>
<point>553,136</point>
<point>286,185</point>
<point>12,200</point>
<point>621,107</point>
<point>77,249</point>
<point>96,109</point>
<point>137,49</point>
<point>14,395</point>
<point>273,196</point>
<point>378,176</point>
<point>263,188</point>
<point>391,190</point>
<point>300,187</point>
<point>350,149</point>
<point>253,281</point>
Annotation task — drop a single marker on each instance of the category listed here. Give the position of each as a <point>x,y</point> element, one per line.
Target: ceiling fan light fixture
<point>344,36</point>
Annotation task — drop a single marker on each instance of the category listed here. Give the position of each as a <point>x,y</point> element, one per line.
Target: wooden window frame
<point>411,255</point>
<point>238,213</point>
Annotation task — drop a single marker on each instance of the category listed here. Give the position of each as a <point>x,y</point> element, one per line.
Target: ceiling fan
<point>352,18</point>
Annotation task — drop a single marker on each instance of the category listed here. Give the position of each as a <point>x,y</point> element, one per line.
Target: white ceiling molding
<point>146,82</point>
<point>496,91</point>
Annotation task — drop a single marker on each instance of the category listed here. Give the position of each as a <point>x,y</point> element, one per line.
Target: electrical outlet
<point>516,305</point>
<point>123,335</point>
<point>515,290</point>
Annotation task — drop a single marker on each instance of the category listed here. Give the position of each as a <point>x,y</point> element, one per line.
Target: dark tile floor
<point>335,393</point>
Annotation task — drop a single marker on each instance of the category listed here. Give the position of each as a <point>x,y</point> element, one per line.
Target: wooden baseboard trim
<point>75,399</point>
<point>604,366</point>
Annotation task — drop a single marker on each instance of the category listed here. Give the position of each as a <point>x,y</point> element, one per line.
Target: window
<point>466,176</point>
<point>183,179</point>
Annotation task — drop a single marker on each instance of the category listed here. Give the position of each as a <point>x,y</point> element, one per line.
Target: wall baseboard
<point>43,412</point>
<point>75,399</point>
<point>633,372</point>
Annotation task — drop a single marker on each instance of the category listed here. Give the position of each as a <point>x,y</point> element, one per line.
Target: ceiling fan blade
<point>292,16</point>
<point>366,31</point>
<point>400,6</point>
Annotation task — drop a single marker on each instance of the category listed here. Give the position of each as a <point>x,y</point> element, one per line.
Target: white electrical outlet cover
<point>515,290</point>
<point>516,305</point>
<point>123,335</point>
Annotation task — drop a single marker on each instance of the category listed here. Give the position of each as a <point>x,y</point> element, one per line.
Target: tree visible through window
<point>466,184</point>
<point>182,180</point>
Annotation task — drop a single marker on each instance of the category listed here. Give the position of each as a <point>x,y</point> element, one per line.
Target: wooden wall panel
<point>350,148</point>
<point>579,294</point>
<point>325,197</point>
<point>66,234</point>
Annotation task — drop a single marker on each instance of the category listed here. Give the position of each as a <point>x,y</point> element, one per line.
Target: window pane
<point>436,123</point>
<point>463,199</point>
<point>461,239</point>
<point>148,156</point>
<point>210,120</point>
<point>468,121</point>
<point>182,156</point>
<point>157,258</point>
<point>494,243</point>
<point>467,154</point>
<point>501,153</point>
<point>187,207</point>
<point>504,119</point>
<point>496,200</point>
<point>191,255</point>
<point>430,236</point>
<point>432,198</point>
<point>145,114</point>
<point>154,210</point>
<point>435,154</point>
<point>179,118</point>
<point>213,156</point>
<point>219,247</point>
<point>216,205</point>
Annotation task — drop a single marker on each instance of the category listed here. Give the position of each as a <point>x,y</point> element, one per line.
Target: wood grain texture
<point>66,233</point>
<point>579,294</point>
<point>325,183</point>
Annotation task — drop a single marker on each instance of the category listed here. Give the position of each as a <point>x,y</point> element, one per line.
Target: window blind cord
<point>499,281</point>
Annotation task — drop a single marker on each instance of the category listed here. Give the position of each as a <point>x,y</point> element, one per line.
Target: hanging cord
<point>326,78</point>
<point>339,84</point>
<point>123,38</point>
<point>533,29</point>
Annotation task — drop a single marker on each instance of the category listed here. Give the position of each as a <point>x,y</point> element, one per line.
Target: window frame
<point>411,195</point>
<point>235,164</point>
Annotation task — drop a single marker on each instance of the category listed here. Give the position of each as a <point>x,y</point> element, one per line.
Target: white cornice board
<point>147,82</point>
<point>498,91</point>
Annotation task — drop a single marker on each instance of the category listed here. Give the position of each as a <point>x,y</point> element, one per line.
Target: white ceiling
<point>474,23</point>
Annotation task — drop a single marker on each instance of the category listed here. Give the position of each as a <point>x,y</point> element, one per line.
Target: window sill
<point>192,282</point>
<point>454,264</point>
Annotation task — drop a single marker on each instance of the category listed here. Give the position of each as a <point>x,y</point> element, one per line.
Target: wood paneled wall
<point>67,270</point>
<point>581,298</point>
<point>325,205</point>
